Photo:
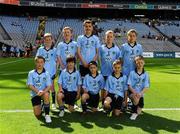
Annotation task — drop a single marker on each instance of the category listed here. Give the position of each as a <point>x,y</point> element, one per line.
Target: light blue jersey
<point>50,59</point>
<point>17,50</point>
<point>116,86</point>
<point>88,46</point>
<point>138,81</point>
<point>70,81</point>
<point>107,57</point>
<point>12,49</point>
<point>93,84</point>
<point>39,81</point>
<point>128,54</point>
<point>64,49</point>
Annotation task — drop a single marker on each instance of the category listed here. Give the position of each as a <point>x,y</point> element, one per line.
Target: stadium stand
<point>22,30</point>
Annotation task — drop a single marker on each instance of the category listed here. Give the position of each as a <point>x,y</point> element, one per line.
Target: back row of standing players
<point>113,83</point>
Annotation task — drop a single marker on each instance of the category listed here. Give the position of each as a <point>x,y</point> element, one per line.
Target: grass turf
<point>164,93</point>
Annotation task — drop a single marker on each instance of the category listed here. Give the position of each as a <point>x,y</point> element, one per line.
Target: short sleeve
<point>85,82</point>
<point>130,81</point>
<point>102,82</point>
<point>30,79</point>
<point>125,84</point>
<point>60,80</point>
<point>48,82</point>
<point>147,81</point>
<point>79,79</point>
<point>79,42</point>
<point>107,85</point>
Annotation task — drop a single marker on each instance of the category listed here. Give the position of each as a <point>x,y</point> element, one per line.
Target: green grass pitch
<point>164,94</point>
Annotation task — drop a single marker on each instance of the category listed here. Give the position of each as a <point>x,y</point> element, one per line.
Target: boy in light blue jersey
<point>116,90</point>
<point>129,51</point>
<point>39,82</point>
<point>108,53</point>
<point>92,84</point>
<point>49,53</point>
<point>88,45</point>
<point>69,86</point>
<point>138,83</point>
<point>66,47</point>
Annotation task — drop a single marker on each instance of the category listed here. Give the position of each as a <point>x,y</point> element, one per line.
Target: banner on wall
<point>12,2</point>
<point>148,54</point>
<point>164,54</point>
<point>177,55</point>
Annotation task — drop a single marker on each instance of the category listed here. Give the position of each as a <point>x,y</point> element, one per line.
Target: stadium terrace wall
<point>161,54</point>
<point>100,6</point>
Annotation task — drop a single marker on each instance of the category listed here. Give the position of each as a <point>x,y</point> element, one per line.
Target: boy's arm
<point>47,89</point>
<point>143,91</point>
<point>78,92</point>
<point>60,62</point>
<point>125,97</point>
<point>131,89</point>
<point>96,56</point>
<point>31,87</point>
<point>81,58</point>
<point>60,88</point>
<point>146,85</point>
<point>97,47</point>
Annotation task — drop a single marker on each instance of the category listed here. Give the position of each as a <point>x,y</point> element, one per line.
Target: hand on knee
<point>107,104</point>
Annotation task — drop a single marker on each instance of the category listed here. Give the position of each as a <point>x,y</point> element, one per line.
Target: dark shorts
<point>105,77</point>
<point>141,102</point>
<point>53,77</point>
<point>83,71</point>
<point>116,102</point>
<point>36,100</point>
<point>93,100</point>
<point>69,97</point>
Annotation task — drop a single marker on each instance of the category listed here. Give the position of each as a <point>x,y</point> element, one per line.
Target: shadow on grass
<point>147,122</point>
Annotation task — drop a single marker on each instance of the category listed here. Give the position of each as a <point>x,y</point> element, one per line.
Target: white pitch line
<point>161,109</point>
<point>145,109</point>
<point>13,73</point>
<point>16,111</point>
<point>11,62</point>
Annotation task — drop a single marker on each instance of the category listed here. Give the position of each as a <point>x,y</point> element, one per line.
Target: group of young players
<point>121,74</point>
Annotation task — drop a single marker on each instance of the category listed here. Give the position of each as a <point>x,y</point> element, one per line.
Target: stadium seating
<point>23,30</point>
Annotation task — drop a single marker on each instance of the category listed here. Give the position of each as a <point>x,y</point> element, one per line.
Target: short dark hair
<point>70,58</point>
<point>87,22</point>
<point>93,63</point>
<point>39,57</point>
<point>139,57</point>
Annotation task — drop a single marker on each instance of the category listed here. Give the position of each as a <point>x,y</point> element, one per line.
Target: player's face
<point>117,68</point>
<point>39,64</point>
<point>88,28</point>
<point>110,38</point>
<point>67,34</point>
<point>132,37</point>
<point>139,63</point>
<point>93,69</point>
<point>48,40</point>
<point>70,65</point>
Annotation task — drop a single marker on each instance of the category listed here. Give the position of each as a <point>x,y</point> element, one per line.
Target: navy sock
<point>84,107</point>
<point>53,97</point>
<point>61,108</point>
<point>46,109</point>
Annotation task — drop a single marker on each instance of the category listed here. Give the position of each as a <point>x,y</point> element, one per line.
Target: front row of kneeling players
<point>117,88</point>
